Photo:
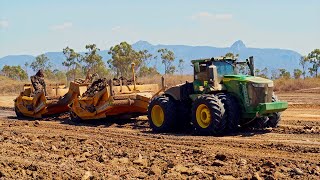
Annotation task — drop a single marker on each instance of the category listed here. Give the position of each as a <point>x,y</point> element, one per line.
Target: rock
<point>155,170</point>
<point>269,164</point>
<point>86,154</point>
<point>242,162</point>
<point>87,175</point>
<point>285,169</point>
<point>101,158</point>
<point>2,174</point>
<point>269,177</point>
<point>32,167</point>
<point>218,163</point>
<point>81,159</point>
<point>124,160</point>
<point>297,171</point>
<point>170,164</point>
<point>36,123</point>
<point>278,175</point>
<point>256,176</point>
<point>142,175</point>
<point>197,170</point>
<point>221,157</point>
<point>54,148</point>
<point>182,169</point>
<point>140,161</point>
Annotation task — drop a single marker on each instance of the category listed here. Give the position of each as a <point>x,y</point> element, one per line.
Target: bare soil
<point>56,148</point>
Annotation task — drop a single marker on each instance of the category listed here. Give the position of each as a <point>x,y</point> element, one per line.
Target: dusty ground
<point>56,148</point>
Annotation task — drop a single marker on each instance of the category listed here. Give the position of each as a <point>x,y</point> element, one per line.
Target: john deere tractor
<point>218,100</point>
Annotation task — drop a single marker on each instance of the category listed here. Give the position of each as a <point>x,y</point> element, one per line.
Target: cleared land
<point>58,148</point>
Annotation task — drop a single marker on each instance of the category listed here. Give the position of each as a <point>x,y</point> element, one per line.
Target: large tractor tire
<point>232,111</point>
<point>207,115</point>
<point>162,114</point>
<point>275,118</point>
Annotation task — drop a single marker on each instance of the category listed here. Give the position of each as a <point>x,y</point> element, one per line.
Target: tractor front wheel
<point>162,114</point>
<point>275,118</point>
<point>207,115</point>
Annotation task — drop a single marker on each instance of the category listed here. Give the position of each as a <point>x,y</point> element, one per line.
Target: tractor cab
<point>210,72</point>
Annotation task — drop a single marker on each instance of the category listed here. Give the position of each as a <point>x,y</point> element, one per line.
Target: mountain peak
<point>238,45</point>
<point>142,43</point>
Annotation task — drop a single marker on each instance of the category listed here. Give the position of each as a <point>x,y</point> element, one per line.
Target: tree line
<point>146,64</point>
<point>310,64</point>
<point>79,65</point>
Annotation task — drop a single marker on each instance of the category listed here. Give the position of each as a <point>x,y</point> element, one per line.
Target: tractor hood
<point>246,78</point>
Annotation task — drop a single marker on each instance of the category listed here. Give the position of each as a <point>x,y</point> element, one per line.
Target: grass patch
<point>289,85</point>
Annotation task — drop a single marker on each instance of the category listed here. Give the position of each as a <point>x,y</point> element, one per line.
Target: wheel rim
<point>203,116</point>
<point>157,115</point>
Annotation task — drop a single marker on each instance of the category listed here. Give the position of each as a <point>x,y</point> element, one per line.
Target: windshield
<point>224,68</point>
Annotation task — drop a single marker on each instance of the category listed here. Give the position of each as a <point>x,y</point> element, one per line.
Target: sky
<point>37,26</point>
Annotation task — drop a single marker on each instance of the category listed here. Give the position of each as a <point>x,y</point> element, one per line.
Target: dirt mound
<point>95,87</point>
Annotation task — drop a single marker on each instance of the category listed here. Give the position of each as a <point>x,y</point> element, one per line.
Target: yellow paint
<point>203,116</point>
<point>157,115</point>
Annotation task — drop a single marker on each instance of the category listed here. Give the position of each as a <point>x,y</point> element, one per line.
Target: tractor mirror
<point>196,67</point>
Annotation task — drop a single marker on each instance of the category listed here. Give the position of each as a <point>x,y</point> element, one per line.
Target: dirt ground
<point>56,148</point>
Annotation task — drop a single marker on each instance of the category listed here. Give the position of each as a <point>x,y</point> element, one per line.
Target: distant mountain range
<point>264,57</point>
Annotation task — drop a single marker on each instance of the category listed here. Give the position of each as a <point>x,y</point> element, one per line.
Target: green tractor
<point>218,101</point>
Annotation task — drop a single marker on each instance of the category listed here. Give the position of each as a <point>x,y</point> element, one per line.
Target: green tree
<point>231,55</point>
<point>147,71</point>
<point>122,55</point>
<point>242,69</point>
<point>314,59</point>
<point>55,75</point>
<point>297,73</point>
<point>284,73</point>
<point>14,72</point>
<point>72,62</point>
<point>93,61</point>
<point>303,62</point>
<point>262,73</point>
<point>26,65</point>
<point>41,62</point>
<point>181,66</point>
<point>167,58</point>
<point>274,74</point>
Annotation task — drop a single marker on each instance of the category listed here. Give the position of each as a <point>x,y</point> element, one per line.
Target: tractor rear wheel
<point>232,111</point>
<point>162,114</point>
<point>207,115</point>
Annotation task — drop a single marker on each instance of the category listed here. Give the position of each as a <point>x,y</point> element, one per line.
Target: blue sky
<point>37,26</point>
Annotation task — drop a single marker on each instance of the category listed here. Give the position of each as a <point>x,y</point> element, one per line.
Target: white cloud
<point>115,29</point>
<point>4,24</point>
<point>210,16</point>
<point>63,26</point>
